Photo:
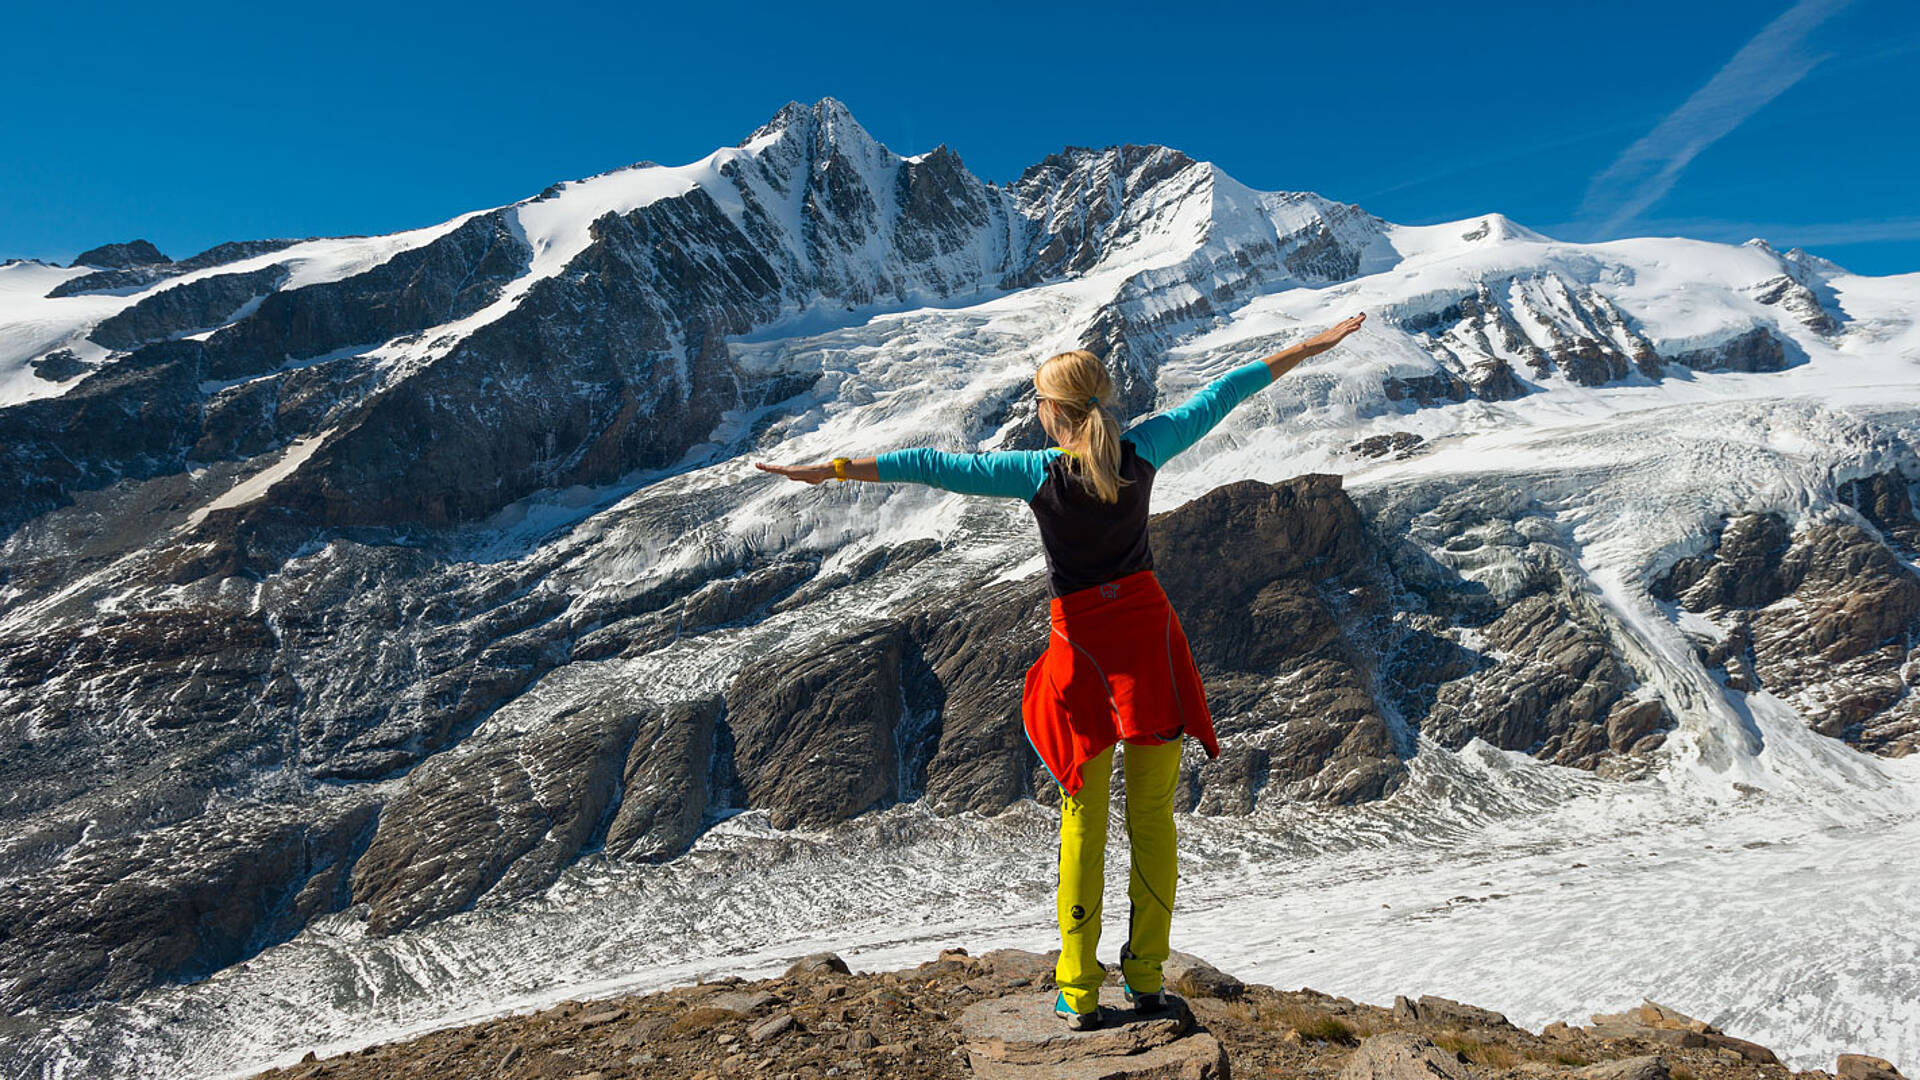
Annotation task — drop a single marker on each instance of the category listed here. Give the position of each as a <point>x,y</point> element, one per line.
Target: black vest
<point>1089,542</point>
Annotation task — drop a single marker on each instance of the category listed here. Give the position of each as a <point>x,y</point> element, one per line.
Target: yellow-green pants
<point>1152,772</point>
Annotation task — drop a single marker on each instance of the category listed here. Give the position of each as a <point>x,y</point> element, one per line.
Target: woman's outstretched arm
<point>1283,361</point>
<point>1015,474</point>
<point>857,469</point>
<point>1160,438</point>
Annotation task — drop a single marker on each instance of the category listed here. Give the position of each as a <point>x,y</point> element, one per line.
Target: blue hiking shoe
<point>1086,1021</point>
<point>1150,1003</point>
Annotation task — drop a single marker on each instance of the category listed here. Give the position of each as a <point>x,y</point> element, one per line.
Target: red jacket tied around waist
<point>1117,666</point>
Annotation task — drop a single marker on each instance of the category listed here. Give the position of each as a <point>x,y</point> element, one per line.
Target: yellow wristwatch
<point>840,468</point>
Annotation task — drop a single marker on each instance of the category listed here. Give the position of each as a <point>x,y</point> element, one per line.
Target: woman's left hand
<point>806,474</point>
<point>1337,333</point>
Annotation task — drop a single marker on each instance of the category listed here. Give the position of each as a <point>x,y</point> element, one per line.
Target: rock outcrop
<point>1758,349</point>
<point>121,256</point>
<point>177,902</point>
<point>813,734</point>
<point>499,817</point>
<point>1826,618</point>
<point>958,1016</point>
<point>1018,1037</point>
<point>139,275</point>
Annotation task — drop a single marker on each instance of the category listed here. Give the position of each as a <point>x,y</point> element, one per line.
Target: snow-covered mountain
<point>394,628</point>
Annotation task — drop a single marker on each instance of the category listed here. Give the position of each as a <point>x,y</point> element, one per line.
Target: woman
<point>1117,667</point>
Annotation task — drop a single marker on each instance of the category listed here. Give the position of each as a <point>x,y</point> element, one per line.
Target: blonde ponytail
<point>1079,382</point>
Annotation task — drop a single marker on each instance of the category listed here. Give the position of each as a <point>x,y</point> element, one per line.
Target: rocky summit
<point>991,1016</point>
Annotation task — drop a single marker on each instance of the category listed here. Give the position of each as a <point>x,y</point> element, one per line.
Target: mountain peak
<point>121,256</point>
<point>829,117</point>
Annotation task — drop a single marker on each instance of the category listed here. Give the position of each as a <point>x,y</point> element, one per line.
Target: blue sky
<point>192,124</point>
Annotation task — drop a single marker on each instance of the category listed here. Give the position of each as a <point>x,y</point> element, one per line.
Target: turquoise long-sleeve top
<point>1019,474</point>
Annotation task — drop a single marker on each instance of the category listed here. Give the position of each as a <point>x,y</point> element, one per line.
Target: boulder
<point>819,963</point>
<point>1018,1038</point>
<point>771,1027</point>
<point>1402,1055</point>
<point>1643,1067</point>
<point>1653,1014</point>
<point>1749,1051</point>
<point>743,1002</point>
<point>1022,1029</point>
<point>1188,974</point>
<point>1865,1067</point>
<point>1443,1012</point>
<point>1019,963</point>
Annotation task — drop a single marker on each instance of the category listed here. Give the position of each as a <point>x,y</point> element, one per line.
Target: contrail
<point>1763,69</point>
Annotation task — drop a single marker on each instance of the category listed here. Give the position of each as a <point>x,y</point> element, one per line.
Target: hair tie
<point>1093,400</point>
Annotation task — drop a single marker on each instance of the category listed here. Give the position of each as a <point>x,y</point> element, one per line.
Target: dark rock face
<point>442,447</point>
<point>669,782</point>
<point>1262,609</point>
<point>453,276</point>
<point>1397,444</point>
<point>942,206</point>
<point>1742,571</point>
<point>1790,295</point>
<point>1556,695</point>
<point>60,365</point>
<point>499,820</point>
<point>140,276</point>
<point>136,662</point>
<point>127,420</point>
<point>177,902</point>
<point>138,417</point>
<point>1318,255</point>
<point>966,670</point>
<point>121,256</point>
<point>459,645</point>
<point>1589,339</point>
<point>1886,500</point>
<point>131,278</point>
<point>834,710</point>
<point>1431,389</point>
<point>1825,618</point>
<point>1076,199</point>
<point>1759,349</point>
<point>201,304</point>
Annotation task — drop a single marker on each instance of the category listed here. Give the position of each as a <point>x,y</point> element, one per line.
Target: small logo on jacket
<point>1109,590</point>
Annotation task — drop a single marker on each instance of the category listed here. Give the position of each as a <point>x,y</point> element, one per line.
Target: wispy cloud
<point>1762,70</point>
<point>1473,162</point>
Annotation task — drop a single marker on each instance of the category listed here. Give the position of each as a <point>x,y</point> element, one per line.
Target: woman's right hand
<point>806,474</point>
